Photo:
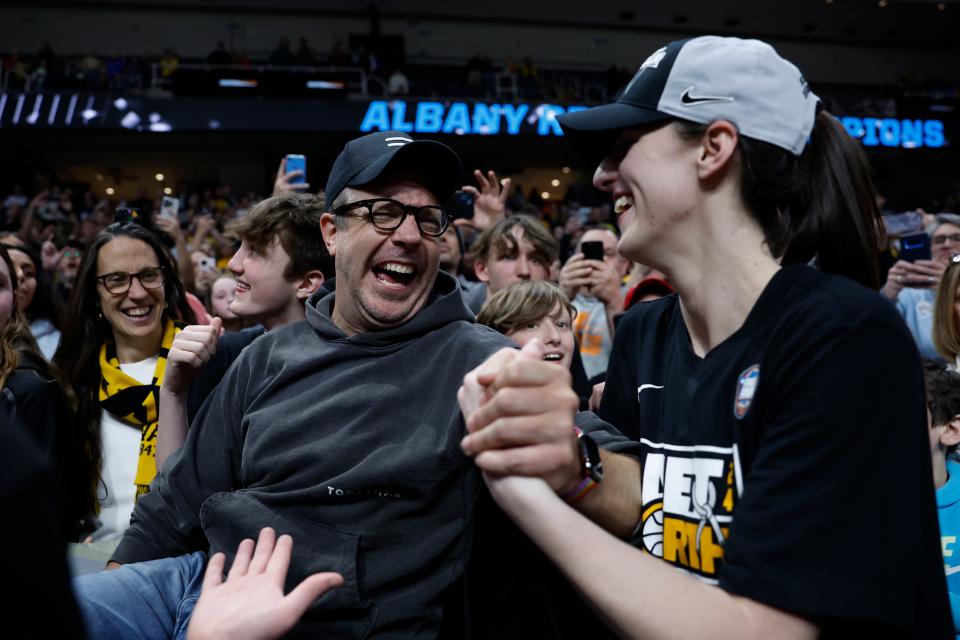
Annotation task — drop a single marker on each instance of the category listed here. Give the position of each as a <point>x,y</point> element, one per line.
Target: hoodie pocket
<point>228,518</point>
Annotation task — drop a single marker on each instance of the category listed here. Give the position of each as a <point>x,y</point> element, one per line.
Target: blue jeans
<point>143,600</point>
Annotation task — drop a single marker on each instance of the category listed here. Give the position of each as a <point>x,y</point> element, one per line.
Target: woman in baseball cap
<point>765,398</point>
<point>800,176</point>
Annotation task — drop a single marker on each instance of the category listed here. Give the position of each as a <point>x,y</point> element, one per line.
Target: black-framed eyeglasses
<point>387,215</point>
<point>119,282</point>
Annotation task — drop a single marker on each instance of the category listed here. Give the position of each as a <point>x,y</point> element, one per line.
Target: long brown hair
<point>85,330</point>
<point>819,206</point>
<point>15,336</point>
<point>17,344</point>
<point>946,333</point>
<point>16,339</point>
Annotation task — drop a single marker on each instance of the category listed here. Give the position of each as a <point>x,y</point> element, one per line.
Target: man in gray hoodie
<point>342,430</point>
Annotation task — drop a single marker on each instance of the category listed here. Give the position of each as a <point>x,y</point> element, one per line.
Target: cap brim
<point>592,132</point>
<point>435,163</point>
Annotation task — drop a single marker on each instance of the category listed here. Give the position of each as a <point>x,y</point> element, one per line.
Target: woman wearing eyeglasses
<point>913,285</point>
<point>124,310</point>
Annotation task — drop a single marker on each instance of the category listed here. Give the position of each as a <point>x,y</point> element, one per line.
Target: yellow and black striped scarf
<point>135,403</point>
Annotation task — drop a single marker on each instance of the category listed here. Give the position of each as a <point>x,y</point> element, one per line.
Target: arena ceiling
<point>897,22</point>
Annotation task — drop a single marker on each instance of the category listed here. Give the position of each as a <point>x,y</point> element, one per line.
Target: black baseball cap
<point>365,159</point>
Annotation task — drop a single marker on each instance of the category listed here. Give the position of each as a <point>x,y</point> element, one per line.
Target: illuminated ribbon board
<point>893,132</point>
<point>464,118</point>
<point>88,110</point>
<point>479,118</point>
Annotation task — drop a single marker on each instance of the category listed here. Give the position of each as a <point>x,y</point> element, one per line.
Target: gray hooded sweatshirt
<point>350,445</point>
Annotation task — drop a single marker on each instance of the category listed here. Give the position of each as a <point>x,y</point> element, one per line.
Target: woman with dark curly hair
<point>126,306</point>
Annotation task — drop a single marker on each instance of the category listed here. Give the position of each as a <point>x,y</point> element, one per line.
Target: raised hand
<point>191,349</point>
<point>282,184</point>
<point>489,204</point>
<point>575,275</point>
<point>250,604</point>
<point>50,256</point>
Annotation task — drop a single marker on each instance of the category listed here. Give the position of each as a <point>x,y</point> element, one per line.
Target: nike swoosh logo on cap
<point>641,388</point>
<point>951,570</point>
<point>688,99</point>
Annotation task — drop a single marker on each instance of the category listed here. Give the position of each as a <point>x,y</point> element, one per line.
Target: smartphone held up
<point>295,162</point>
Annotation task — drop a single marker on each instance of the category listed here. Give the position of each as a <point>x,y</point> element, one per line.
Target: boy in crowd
<point>943,417</point>
<point>281,261</point>
<point>515,248</point>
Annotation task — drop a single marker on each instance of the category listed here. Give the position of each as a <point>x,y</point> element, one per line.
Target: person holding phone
<point>291,175</point>
<point>593,279</point>
<point>913,285</point>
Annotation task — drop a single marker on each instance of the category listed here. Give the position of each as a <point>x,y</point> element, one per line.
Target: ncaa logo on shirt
<point>746,388</point>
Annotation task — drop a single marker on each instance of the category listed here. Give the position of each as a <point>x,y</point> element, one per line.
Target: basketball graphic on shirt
<point>653,534</point>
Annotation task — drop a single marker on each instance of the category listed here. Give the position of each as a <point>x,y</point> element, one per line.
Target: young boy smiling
<point>281,261</point>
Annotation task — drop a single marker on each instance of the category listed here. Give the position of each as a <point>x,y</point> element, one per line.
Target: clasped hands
<point>519,412</point>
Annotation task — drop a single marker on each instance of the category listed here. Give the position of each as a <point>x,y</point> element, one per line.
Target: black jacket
<point>34,401</point>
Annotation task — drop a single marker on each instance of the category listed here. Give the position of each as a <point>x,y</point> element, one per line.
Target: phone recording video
<point>915,247</point>
<point>592,250</point>
<point>460,205</point>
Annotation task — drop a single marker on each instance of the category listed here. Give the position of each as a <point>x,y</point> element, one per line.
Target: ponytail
<point>835,219</point>
<point>818,207</point>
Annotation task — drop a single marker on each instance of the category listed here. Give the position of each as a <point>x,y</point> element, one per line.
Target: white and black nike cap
<point>703,80</point>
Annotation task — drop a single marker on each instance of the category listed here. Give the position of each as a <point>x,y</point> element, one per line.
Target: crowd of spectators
<point>58,222</point>
<point>478,77</point>
<point>46,70</point>
<point>113,312</point>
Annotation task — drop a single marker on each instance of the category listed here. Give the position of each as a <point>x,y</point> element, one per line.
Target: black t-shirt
<point>791,465</point>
